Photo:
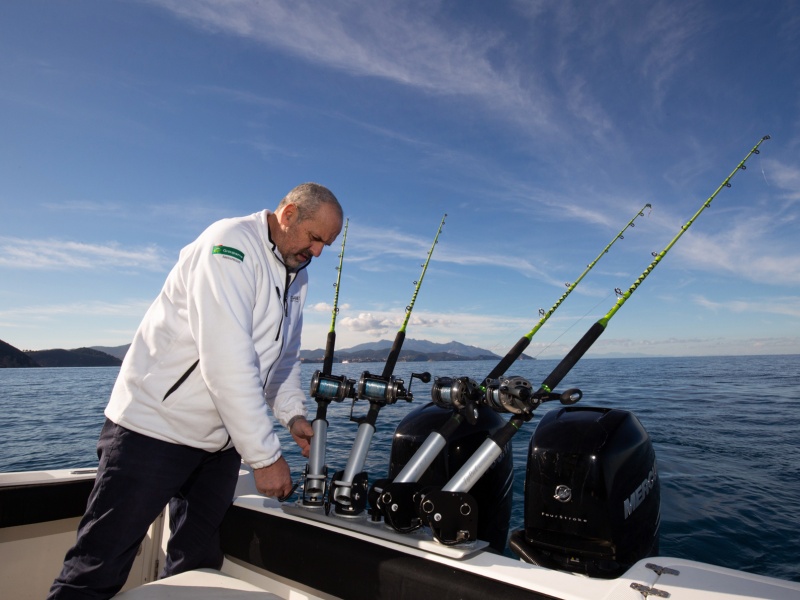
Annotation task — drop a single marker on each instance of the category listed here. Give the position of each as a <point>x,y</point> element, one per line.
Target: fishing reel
<point>515,395</point>
<point>462,394</point>
<point>381,390</point>
<point>512,394</point>
<point>385,390</point>
<point>331,388</point>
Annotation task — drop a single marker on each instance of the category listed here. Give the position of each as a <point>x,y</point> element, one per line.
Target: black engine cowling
<point>592,493</point>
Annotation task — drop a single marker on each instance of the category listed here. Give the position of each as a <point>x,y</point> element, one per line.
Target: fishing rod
<point>325,388</point>
<point>349,487</point>
<point>327,363</point>
<point>394,499</point>
<point>451,512</point>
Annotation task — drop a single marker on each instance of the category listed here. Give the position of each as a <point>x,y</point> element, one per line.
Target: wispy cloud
<point>190,214</point>
<point>47,312</point>
<point>60,254</point>
<point>697,346</point>
<point>434,326</point>
<point>755,233</point>
<point>72,324</point>
<point>589,55</point>
<point>411,45</point>
<point>785,305</point>
<point>663,41</point>
<point>749,248</point>
<point>786,177</point>
<point>85,206</point>
<point>381,246</point>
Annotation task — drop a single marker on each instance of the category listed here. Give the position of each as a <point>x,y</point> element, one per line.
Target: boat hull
<point>302,553</point>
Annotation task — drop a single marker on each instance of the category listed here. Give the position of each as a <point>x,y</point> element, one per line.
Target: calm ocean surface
<point>726,432</point>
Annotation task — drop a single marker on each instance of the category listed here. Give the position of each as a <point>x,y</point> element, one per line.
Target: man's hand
<point>274,480</point>
<point>302,432</point>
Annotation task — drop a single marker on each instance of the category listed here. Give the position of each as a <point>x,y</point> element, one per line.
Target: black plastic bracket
<point>452,516</point>
<point>358,494</point>
<point>398,504</point>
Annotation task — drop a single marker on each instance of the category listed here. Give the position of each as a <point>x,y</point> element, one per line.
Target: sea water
<point>726,431</point>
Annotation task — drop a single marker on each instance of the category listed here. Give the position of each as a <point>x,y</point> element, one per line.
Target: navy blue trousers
<point>137,476</point>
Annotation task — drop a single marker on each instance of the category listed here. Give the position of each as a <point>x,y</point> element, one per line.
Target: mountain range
<point>110,356</point>
<point>413,351</point>
<point>11,357</point>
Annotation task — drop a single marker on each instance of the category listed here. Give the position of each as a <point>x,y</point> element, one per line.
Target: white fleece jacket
<point>222,337</point>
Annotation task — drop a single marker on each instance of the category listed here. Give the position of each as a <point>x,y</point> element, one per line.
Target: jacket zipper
<point>283,298</point>
<point>285,315</point>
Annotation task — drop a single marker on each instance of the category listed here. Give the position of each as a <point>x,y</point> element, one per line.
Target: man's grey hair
<point>308,197</point>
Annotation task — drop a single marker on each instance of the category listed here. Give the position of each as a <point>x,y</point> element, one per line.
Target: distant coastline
<point>111,356</point>
<point>413,351</point>
<point>11,357</point>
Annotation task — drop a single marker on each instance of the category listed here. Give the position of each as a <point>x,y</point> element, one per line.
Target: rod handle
<point>394,353</point>
<point>509,358</point>
<point>574,355</point>
<point>330,343</point>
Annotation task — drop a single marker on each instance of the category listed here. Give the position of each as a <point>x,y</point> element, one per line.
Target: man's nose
<point>316,248</point>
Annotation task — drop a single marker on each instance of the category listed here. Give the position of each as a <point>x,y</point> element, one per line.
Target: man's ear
<point>288,215</point>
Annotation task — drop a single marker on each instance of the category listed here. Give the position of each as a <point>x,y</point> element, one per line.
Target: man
<point>220,342</point>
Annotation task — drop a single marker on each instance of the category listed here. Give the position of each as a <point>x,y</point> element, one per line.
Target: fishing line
<point>525,340</point>
<point>328,360</point>
<point>568,329</point>
<point>763,174</point>
<point>583,317</point>
<point>391,360</point>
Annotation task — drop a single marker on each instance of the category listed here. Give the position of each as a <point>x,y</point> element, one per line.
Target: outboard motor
<point>592,493</point>
<point>493,493</point>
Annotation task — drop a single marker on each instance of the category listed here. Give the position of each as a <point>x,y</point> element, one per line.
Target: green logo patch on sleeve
<point>229,252</point>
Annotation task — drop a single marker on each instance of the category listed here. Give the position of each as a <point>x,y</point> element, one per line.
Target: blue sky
<point>540,128</point>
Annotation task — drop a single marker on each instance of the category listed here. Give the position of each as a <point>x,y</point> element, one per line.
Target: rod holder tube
<point>358,456</point>
<point>316,458</point>
<point>469,474</point>
<point>573,356</point>
<point>428,451</point>
<point>422,459</point>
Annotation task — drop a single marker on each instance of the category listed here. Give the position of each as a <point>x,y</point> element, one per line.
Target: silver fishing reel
<point>447,392</point>
<point>511,394</point>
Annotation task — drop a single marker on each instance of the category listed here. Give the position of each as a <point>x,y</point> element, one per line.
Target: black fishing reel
<point>515,395</point>
<point>462,394</point>
<point>330,387</point>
